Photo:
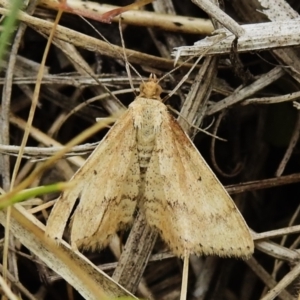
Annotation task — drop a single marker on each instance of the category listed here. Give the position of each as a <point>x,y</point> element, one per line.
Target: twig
<point>161,21</point>
<point>262,184</point>
<point>263,81</point>
<point>215,12</point>
<point>266,278</point>
<point>290,148</point>
<point>256,37</point>
<point>277,232</point>
<point>238,167</point>
<point>272,100</point>
<point>283,283</point>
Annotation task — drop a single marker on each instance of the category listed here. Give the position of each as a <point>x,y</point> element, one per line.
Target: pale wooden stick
<point>185,275</point>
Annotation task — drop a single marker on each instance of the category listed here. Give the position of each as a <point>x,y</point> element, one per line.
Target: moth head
<point>151,89</point>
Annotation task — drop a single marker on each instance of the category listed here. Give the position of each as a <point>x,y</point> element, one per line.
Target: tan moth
<point>147,162</point>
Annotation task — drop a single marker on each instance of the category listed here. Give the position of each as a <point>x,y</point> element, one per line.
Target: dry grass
<point>83,77</point>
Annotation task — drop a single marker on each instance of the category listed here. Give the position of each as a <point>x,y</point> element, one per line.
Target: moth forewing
<point>185,201</point>
<point>107,189</point>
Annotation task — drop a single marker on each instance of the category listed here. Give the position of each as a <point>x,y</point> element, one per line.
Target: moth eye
<point>95,172</point>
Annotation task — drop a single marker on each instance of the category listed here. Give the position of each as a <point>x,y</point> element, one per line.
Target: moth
<point>147,162</point>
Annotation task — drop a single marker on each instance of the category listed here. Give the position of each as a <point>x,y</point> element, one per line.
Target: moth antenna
<point>124,54</point>
<point>128,65</point>
<point>199,129</point>
<point>185,77</point>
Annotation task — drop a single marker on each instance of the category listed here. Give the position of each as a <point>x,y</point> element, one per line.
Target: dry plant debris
<point>247,97</point>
